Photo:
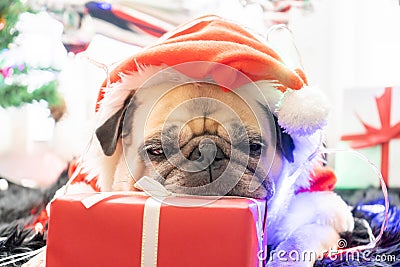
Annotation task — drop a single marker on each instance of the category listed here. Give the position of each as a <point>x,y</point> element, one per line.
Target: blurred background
<point>54,55</point>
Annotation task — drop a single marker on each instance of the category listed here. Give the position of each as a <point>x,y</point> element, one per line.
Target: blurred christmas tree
<point>9,13</point>
<point>21,83</point>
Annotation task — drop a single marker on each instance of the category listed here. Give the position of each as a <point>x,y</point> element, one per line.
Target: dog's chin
<point>228,184</point>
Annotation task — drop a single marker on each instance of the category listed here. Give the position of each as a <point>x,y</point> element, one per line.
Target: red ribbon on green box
<point>378,136</point>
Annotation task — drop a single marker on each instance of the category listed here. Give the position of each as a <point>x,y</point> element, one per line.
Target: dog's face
<point>195,139</point>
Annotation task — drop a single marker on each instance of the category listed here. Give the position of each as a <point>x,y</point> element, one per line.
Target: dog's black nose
<point>208,156</point>
<point>207,151</point>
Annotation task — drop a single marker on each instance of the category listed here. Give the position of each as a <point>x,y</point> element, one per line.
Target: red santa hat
<point>301,109</point>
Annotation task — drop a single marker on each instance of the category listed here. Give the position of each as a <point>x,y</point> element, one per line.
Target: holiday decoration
<point>78,29</point>
<point>378,139</point>
<point>126,18</point>
<point>9,14</point>
<point>14,90</point>
<point>21,83</point>
<point>30,102</point>
<point>2,23</point>
<point>120,229</point>
<point>126,22</point>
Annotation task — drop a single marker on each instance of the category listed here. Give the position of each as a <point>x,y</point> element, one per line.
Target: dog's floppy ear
<point>284,142</point>
<point>109,133</point>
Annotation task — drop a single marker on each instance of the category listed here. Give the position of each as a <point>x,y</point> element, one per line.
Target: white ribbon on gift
<point>151,220</point>
<point>151,217</point>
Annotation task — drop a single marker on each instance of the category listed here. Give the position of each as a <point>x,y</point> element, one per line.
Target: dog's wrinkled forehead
<point>195,109</point>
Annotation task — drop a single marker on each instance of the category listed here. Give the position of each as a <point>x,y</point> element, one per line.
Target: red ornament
<point>2,23</point>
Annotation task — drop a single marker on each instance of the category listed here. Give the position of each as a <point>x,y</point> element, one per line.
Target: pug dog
<point>243,125</point>
<point>193,135</point>
<point>198,139</point>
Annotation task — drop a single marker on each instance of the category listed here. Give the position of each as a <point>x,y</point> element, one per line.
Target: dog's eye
<point>255,148</point>
<point>155,151</point>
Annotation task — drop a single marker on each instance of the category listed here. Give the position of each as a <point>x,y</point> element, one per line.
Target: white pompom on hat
<point>302,112</point>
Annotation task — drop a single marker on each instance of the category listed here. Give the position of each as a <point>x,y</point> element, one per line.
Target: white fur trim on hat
<point>303,112</point>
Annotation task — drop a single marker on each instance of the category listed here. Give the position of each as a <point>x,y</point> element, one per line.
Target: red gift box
<point>223,232</point>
